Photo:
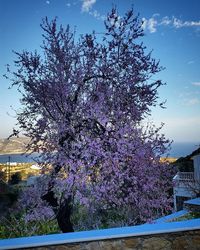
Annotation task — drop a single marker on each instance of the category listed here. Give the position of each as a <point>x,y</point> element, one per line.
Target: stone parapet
<point>178,241</point>
<point>160,236</point>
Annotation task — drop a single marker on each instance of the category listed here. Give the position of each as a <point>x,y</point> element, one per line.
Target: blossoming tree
<point>84,102</point>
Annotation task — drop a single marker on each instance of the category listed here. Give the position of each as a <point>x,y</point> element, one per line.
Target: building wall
<point>185,191</point>
<point>196,160</point>
<point>166,241</point>
<point>180,202</point>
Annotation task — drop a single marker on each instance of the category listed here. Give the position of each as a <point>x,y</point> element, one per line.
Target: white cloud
<point>165,21</point>
<point>192,102</point>
<point>196,84</point>
<point>87,5</point>
<point>144,23</point>
<point>188,97</point>
<point>156,15</point>
<point>177,23</point>
<point>47,2</point>
<point>152,23</point>
<point>149,24</point>
<point>68,5</point>
<point>97,15</point>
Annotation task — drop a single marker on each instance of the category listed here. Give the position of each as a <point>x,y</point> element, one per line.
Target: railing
<point>184,176</point>
<point>184,179</point>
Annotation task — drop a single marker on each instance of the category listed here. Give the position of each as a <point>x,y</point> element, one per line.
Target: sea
<point>178,149</point>
<point>19,158</point>
<point>182,149</point>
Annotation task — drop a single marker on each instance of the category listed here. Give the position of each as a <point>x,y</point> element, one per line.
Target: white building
<point>186,184</point>
<point>11,163</point>
<point>36,167</point>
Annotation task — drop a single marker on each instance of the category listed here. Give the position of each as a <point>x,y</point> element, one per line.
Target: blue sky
<point>172,30</point>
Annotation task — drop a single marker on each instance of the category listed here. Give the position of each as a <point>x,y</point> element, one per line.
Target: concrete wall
<point>193,205</point>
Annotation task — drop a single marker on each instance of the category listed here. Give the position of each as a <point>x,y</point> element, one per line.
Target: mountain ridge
<point>15,145</point>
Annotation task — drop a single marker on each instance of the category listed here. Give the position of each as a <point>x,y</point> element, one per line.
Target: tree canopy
<point>84,102</point>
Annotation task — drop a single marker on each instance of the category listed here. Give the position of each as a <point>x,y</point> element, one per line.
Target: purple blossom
<point>84,105</point>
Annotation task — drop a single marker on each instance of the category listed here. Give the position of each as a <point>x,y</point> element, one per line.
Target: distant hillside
<point>13,145</point>
<point>185,164</point>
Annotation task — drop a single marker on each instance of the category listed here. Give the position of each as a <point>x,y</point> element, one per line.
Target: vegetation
<point>16,226</point>
<point>8,197</point>
<point>13,222</point>
<point>188,216</point>
<point>185,164</point>
<point>15,178</point>
<point>3,176</point>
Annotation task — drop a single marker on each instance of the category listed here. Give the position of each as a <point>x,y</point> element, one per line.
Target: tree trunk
<point>63,216</point>
<point>62,212</point>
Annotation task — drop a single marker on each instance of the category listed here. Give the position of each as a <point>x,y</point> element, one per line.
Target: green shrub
<point>188,216</point>
<point>15,226</point>
<point>15,178</point>
<point>3,176</point>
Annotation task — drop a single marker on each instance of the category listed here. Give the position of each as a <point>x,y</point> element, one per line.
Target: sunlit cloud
<point>196,84</point>
<point>47,2</point>
<point>87,5</point>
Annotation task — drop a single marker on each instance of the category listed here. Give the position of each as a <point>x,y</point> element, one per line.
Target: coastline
<point>14,153</point>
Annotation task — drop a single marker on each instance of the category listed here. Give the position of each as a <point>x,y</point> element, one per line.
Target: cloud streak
<point>192,102</point>
<point>87,5</point>
<point>191,62</point>
<point>190,97</point>
<point>196,84</point>
<point>97,15</point>
<point>154,22</point>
